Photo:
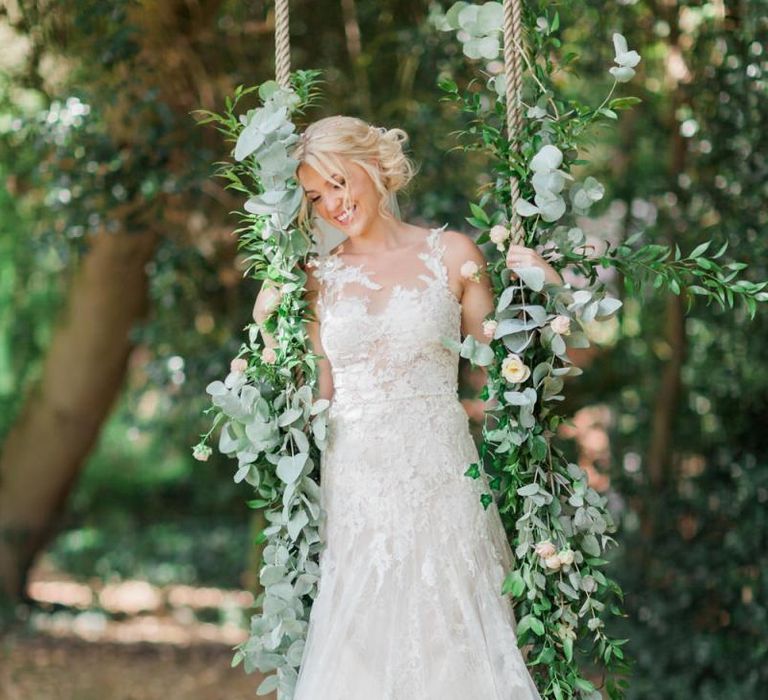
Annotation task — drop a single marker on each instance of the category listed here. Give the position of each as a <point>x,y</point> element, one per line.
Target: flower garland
<point>269,420</point>
<point>560,526</point>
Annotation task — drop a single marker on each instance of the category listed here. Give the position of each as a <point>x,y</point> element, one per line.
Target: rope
<point>282,44</point>
<point>514,76</point>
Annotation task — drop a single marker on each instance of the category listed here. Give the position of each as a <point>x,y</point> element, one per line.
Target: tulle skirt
<point>409,604</point>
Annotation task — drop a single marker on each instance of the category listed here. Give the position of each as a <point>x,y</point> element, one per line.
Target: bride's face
<point>328,201</point>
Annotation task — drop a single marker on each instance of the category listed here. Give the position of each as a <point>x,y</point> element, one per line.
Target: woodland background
<point>125,565</point>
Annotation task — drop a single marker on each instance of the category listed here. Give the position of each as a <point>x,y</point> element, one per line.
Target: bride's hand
<point>520,256</point>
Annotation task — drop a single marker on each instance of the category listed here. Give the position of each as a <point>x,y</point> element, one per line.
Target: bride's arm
<point>266,301</point>
<point>476,294</point>
<point>312,324</point>
<point>476,298</point>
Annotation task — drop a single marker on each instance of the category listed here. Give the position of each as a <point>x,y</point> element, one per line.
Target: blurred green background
<point>122,296</point>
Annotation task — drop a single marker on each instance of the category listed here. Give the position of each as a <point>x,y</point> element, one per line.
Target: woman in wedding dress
<point>409,604</point>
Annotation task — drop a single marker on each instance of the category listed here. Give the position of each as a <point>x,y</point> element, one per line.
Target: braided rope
<point>282,44</point>
<point>514,76</point>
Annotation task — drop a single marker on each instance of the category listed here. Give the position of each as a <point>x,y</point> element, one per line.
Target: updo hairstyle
<point>376,149</point>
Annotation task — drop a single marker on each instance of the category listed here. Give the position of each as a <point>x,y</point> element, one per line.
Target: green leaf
<point>700,249</point>
<point>513,584</point>
<point>268,685</point>
<point>624,102</point>
<point>568,648</point>
<point>479,214</point>
<point>590,545</point>
<point>473,471</point>
<point>448,85</point>
<point>528,490</point>
<point>532,277</point>
<point>289,467</point>
<point>529,622</point>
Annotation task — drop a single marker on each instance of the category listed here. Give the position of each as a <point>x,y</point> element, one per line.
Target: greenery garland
<point>269,419</point>
<point>559,526</point>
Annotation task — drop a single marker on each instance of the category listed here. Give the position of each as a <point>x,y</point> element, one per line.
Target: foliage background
<point>96,135</point>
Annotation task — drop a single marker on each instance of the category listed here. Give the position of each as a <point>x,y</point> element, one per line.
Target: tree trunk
<point>82,375</point>
<point>659,455</point>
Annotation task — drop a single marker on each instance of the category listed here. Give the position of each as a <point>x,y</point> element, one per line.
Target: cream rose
<point>489,328</point>
<point>514,370</point>
<point>565,556</point>
<point>545,549</point>
<point>269,356</point>
<point>239,364</point>
<point>498,235</point>
<point>553,562</point>
<point>470,271</point>
<point>561,325</point>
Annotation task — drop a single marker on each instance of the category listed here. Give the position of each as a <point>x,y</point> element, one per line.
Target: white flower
<point>269,356</point>
<point>561,325</point>
<point>594,622</point>
<point>588,584</point>
<point>489,328</point>
<point>239,364</point>
<point>514,370</point>
<point>201,452</point>
<point>545,549</point>
<point>625,59</point>
<point>552,562</point>
<point>499,234</point>
<point>470,271</point>
<point>565,556</point>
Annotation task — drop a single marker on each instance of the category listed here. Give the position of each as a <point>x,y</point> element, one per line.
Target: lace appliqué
<point>409,603</point>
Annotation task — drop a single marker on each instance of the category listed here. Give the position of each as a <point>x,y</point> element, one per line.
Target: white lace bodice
<point>384,342</point>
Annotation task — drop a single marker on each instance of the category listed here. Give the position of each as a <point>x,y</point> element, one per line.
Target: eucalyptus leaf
<point>289,467</point>
<point>532,277</point>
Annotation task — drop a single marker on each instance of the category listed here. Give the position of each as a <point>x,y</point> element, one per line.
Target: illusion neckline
<point>435,280</point>
<point>370,276</point>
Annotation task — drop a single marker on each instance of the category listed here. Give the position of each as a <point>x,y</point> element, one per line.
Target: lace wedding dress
<point>409,604</point>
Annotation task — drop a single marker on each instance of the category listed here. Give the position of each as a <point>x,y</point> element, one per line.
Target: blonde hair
<point>379,151</point>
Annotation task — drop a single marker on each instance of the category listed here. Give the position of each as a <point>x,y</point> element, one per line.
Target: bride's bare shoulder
<point>459,248</point>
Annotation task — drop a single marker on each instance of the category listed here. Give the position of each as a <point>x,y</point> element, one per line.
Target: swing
<point>277,430</point>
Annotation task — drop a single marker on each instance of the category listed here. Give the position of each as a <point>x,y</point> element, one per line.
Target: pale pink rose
<point>514,370</point>
<point>269,356</point>
<point>499,234</point>
<point>545,549</point>
<point>561,325</point>
<point>553,562</point>
<point>201,452</point>
<point>565,556</point>
<point>470,270</point>
<point>489,328</point>
<point>239,364</point>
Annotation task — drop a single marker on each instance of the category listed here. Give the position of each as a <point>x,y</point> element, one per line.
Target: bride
<point>409,604</point>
